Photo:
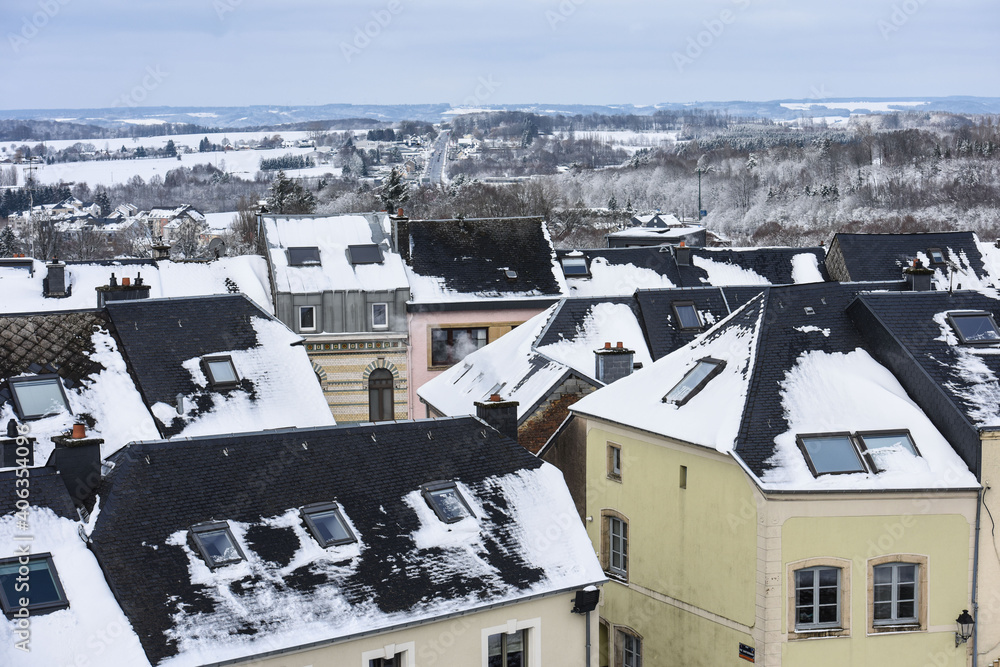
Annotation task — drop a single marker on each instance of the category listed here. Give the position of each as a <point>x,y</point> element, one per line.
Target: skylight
<point>937,257</point>
<point>694,381</point>
<point>830,454</point>
<point>574,266</point>
<point>687,315</point>
<point>446,501</point>
<point>220,371</point>
<point>307,256</point>
<point>327,524</point>
<point>975,328</point>
<point>510,273</point>
<point>216,544</point>
<point>38,396</point>
<point>41,579</point>
<point>365,254</point>
<point>884,439</point>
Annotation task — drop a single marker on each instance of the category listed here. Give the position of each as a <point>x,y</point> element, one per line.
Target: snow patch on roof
<point>605,322</point>
<point>810,329</point>
<point>980,389</point>
<point>616,280</point>
<point>805,269</point>
<point>838,392</point>
<point>722,274</point>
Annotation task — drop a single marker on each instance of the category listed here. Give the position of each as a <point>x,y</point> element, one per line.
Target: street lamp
<point>965,625</point>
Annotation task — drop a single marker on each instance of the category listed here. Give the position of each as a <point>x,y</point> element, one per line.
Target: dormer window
<point>974,328</point>
<point>694,381</point>
<point>38,396</point>
<point>830,454</point>
<point>220,371</point>
<point>365,254</point>
<point>687,315</point>
<point>40,585</point>
<point>327,524</point>
<point>446,501</point>
<point>216,543</point>
<point>306,256</point>
<point>937,257</point>
<point>574,266</point>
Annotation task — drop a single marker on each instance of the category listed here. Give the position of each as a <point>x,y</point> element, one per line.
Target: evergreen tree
<point>613,203</point>
<point>204,145</point>
<point>102,200</point>
<point>288,196</point>
<point>395,191</point>
<point>170,150</point>
<point>8,242</point>
<point>628,207</point>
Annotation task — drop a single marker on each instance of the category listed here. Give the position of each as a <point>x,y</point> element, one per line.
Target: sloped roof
<point>47,490</point>
<point>883,256</point>
<point>406,567</point>
<point>466,259</point>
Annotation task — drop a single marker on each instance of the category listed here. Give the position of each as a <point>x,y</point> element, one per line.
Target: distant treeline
<point>288,161</point>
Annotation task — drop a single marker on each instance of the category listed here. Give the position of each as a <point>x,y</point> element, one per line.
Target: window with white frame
<point>617,537</point>
<point>628,649</point>
<point>614,461</point>
<point>380,315</point>
<point>817,598</point>
<point>894,589</point>
<point>307,318</point>
<point>395,661</point>
<point>507,650</point>
<point>391,655</point>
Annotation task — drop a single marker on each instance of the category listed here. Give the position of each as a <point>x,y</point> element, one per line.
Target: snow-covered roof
<point>794,365</point>
<point>332,236</point>
<point>524,537</point>
<point>656,232</point>
<point>23,293</point>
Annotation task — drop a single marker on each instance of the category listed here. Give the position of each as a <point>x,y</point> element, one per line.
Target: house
<point>691,234</point>
<point>337,281</point>
<point>770,491</point>
<point>469,552</point>
<point>175,217</point>
<point>656,220</point>
<point>471,281</point>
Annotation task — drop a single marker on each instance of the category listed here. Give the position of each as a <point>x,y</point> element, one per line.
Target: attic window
<point>220,371</point>
<point>365,254</point>
<point>574,266</point>
<point>307,256</point>
<point>446,501</point>
<point>937,257</point>
<point>974,328</point>
<point>687,315</point>
<point>694,381</point>
<point>327,524</point>
<point>879,443</point>
<point>216,544</point>
<point>38,396</point>
<point>41,580</point>
<point>830,454</point>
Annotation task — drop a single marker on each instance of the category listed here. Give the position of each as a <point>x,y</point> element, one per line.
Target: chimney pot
<point>607,346</point>
<point>399,212</point>
<point>114,281</point>
<point>619,346</point>
<point>682,244</point>
<point>126,282</point>
<point>79,431</point>
<point>495,398</point>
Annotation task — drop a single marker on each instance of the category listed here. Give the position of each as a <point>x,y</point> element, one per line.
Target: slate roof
<point>157,490</point>
<point>468,255</point>
<point>883,256</point>
<point>773,264</point>
<point>565,321</point>
<point>47,490</point>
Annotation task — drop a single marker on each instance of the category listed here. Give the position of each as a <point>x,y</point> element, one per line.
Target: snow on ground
<point>851,106</point>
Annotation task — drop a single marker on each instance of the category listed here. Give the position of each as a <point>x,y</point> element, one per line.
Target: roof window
<point>574,266</point>
<point>220,371</point>
<point>878,445</point>
<point>975,328</point>
<point>365,254</point>
<point>446,501</point>
<point>38,396</point>
<point>830,454</point>
<point>937,257</point>
<point>511,274</point>
<point>41,580</point>
<point>216,543</point>
<point>305,256</point>
<point>327,524</point>
<point>694,381</point>
<point>687,315</point>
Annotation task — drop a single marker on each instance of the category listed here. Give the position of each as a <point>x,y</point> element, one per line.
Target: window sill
<point>818,633</point>
<point>616,577</point>
<point>615,478</point>
<point>890,628</point>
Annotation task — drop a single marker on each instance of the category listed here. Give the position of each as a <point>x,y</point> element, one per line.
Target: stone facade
<point>343,364</point>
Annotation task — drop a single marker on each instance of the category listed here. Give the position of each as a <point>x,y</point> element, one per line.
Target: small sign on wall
<point>747,653</point>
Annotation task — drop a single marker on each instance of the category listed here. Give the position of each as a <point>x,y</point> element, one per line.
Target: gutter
<point>485,304</point>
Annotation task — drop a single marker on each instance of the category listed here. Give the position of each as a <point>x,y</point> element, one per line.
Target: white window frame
<point>623,552</point>
<point>815,586</point>
<point>315,322</point>
<point>409,651</point>
<point>534,637</point>
<point>380,326</point>
<point>801,632</point>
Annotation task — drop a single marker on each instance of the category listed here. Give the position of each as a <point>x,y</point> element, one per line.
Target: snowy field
<point>629,140</point>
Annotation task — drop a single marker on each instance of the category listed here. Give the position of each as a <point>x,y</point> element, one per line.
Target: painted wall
<point>556,637</point>
<point>988,625</point>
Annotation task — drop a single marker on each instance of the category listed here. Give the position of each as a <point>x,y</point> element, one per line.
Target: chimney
<point>401,234</point>
<point>126,291</point>
<point>78,460</point>
<point>613,363</point>
<point>54,283</point>
<point>500,414</point>
<point>16,447</point>
<point>682,254</point>
<point>160,250</point>
<point>918,277</point>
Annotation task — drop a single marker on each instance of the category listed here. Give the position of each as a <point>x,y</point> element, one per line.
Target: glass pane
<point>882,574</point>
<point>906,610</point>
<point>828,614</point>
<point>690,381</point>
<point>803,578</point>
<point>883,611</point>
<point>574,266</point>
<point>386,403</point>
<point>829,577</point>
<point>515,649</point>
<point>495,648</point>
<point>39,397</point>
<point>222,371</point>
<point>804,615</point>
<point>804,597</point>
<point>906,592</point>
<point>976,328</point>
<point>307,319</point>
<point>41,583</point>
<point>219,547</point>
<point>897,440</point>
<point>329,527</point>
<point>449,504</point>
<point>883,593</point>
<point>832,454</point>
<point>379,315</point>
<point>688,317</point>
<point>828,596</point>
<point>906,573</point>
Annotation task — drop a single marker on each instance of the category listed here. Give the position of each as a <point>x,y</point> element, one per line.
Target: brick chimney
<point>401,234</point>
<point>160,250</point>
<point>682,254</point>
<point>54,283</point>
<point>918,277</point>
<point>78,460</point>
<point>613,363</point>
<point>500,414</point>
<point>128,290</point>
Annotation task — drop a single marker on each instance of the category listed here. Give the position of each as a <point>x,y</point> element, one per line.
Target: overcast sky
<point>88,53</point>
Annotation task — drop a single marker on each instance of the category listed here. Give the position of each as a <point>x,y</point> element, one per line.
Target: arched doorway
<point>380,398</point>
